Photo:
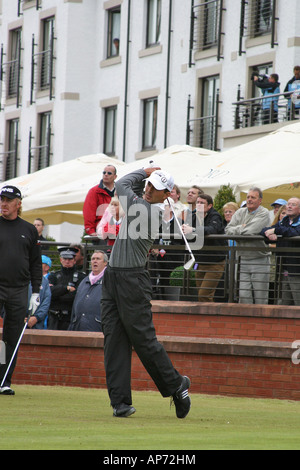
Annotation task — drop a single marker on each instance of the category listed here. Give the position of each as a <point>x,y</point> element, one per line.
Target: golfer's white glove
<point>34,303</point>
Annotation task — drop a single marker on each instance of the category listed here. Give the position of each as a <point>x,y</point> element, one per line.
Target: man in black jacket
<point>21,263</point>
<point>269,86</point>
<point>63,285</point>
<point>288,228</point>
<point>291,87</point>
<point>211,263</point>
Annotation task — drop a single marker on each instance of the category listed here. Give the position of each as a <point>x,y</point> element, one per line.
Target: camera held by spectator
<point>261,78</point>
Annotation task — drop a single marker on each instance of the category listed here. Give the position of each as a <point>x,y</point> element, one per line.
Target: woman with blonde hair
<point>109,226</point>
<point>228,210</point>
<point>281,213</point>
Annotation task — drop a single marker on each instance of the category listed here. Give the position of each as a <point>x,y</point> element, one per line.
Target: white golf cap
<point>161,180</point>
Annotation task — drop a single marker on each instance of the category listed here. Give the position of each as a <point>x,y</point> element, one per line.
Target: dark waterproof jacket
<point>290,261</point>
<point>61,298</point>
<point>213,225</point>
<point>86,312</point>
<point>96,201</point>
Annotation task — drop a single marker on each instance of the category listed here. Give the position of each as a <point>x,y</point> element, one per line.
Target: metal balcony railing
<point>8,165</point>
<point>204,131</point>
<point>265,110</point>
<point>183,286</point>
<point>206,27</point>
<point>10,78</point>
<point>258,18</point>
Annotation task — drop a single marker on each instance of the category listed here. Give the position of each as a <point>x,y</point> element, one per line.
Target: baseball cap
<point>11,192</point>
<point>46,260</point>
<point>280,202</point>
<point>161,180</point>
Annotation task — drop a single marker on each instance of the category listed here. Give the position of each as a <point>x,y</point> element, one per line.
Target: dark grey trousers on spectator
<point>127,322</point>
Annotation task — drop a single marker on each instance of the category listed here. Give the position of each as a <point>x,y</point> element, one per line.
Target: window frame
<point>45,120</point>
<point>112,50</point>
<point>110,131</point>
<point>155,22</point>
<point>150,105</point>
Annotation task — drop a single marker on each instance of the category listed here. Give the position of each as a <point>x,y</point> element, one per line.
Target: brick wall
<point>266,322</point>
<point>220,362</point>
<point>223,367</point>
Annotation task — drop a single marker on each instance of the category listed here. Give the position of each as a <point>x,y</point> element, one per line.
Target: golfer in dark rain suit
<point>127,294</point>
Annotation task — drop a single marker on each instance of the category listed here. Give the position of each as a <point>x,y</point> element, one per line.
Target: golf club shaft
<point>14,353</point>
<point>180,228</point>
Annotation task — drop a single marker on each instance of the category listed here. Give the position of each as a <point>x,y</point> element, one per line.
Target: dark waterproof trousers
<point>127,322</point>
<point>15,303</point>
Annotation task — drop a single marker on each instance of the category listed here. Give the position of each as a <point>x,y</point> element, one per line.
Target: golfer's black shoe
<point>6,391</point>
<point>123,411</point>
<point>181,398</point>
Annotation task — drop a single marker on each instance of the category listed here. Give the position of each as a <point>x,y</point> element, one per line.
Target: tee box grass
<point>63,418</point>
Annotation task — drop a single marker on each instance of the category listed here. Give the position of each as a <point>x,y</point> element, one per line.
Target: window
<point>209,111</point>
<point>153,22</point>
<point>113,36</point>
<point>262,16</point>
<point>206,29</point>
<point>46,71</point>
<point>149,123</point>
<point>44,141</point>
<point>258,19</point>
<point>209,103</point>
<point>110,131</point>
<point>12,153</point>
<point>210,23</point>
<point>14,64</point>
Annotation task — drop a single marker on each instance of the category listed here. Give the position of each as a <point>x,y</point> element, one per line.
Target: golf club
<point>15,352</point>
<point>190,263</point>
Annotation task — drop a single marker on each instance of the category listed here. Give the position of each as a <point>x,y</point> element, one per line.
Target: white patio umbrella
<point>61,200</point>
<point>187,164</point>
<point>46,193</point>
<point>271,163</point>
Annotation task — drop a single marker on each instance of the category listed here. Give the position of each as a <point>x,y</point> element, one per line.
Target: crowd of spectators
<point>269,86</point>
<point>70,297</point>
<point>75,295</point>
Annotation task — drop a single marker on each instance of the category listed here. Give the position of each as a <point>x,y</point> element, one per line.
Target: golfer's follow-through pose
<point>127,294</point>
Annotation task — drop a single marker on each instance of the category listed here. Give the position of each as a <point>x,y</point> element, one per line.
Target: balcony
<point>256,117</point>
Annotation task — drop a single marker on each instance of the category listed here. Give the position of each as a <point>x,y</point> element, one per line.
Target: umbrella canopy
<point>57,193</point>
<point>270,163</point>
<point>47,194</point>
<point>187,164</point>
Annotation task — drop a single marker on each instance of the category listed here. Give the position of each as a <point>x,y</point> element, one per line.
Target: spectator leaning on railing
<point>211,262</point>
<point>288,227</point>
<point>254,265</point>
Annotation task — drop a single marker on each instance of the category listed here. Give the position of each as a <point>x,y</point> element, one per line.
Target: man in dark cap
<point>21,263</point>
<point>63,285</point>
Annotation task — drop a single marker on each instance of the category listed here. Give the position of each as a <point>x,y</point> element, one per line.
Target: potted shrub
<point>176,279</point>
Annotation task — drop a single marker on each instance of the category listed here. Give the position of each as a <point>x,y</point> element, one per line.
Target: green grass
<point>48,418</point>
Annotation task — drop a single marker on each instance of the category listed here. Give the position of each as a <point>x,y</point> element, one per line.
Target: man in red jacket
<point>97,200</point>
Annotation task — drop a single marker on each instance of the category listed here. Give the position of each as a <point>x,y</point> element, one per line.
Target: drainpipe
<point>168,75</point>
<point>126,81</point>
